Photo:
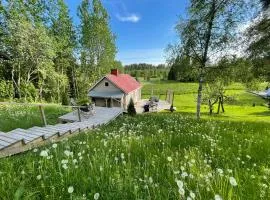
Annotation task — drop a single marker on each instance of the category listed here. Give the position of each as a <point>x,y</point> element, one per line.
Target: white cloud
<point>129,18</point>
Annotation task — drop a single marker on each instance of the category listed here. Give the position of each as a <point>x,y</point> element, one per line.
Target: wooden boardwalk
<point>20,140</point>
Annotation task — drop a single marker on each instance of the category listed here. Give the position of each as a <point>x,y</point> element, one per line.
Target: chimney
<point>115,72</point>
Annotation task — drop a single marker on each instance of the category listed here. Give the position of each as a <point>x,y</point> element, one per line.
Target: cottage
<point>115,90</point>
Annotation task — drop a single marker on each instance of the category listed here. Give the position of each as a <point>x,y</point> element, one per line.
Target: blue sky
<point>143,28</point>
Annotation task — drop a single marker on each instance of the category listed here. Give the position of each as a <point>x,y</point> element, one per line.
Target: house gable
<point>105,85</point>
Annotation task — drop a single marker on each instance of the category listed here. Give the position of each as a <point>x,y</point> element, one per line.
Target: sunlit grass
<point>22,116</point>
<point>156,156</point>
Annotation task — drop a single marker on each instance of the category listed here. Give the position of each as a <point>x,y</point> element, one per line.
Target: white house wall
<point>100,87</point>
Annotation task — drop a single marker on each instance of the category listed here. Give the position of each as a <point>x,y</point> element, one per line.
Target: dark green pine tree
<point>131,108</point>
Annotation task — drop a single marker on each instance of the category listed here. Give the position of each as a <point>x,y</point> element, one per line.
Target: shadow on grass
<point>264,113</point>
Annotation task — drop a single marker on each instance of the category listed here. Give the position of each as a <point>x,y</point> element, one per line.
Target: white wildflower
<point>64,161</point>
<point>181,191</point>
<point>192,195</point>
<point>70,189</point>
<point>233,181</point>
<point>44,153</point>
<point>54,145</point>
<point>179,183</point>
<point>65,166</point>
<point>38,177</point>
<point>220,171</point>
<point>217,197</point>
<point>169,159</point>
<point>96,196</point>
<point>184,174</point>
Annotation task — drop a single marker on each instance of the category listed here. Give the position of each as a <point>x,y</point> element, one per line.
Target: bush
<point>131,108</point>
<point>6,89</point>
<point>65,99</point>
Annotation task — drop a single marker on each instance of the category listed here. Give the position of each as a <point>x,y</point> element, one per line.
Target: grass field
<point>152,156</point>
<point>240,107</point>
<point>155,156</point>
<point>22,116</point>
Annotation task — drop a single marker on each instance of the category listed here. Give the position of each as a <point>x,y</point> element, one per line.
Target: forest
<point>45,57</point>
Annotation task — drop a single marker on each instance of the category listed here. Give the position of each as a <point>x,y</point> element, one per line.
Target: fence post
<point>43,117</point>
<point>79,114</point>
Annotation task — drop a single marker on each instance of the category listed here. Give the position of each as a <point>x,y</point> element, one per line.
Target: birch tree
<point>207,32</point>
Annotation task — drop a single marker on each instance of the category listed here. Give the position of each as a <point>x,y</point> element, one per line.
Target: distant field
<point>153,156</point>
<point>21,116</point>
<point>240,107</point>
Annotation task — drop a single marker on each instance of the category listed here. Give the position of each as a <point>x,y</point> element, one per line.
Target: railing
<point>41,109</point>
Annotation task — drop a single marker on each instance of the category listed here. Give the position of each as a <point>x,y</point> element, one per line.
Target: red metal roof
<point>124,82</point>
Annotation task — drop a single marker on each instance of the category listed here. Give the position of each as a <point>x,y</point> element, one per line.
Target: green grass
<point>21,116</point>
<point>143,157</point>
<point>239,107</point>
<point>146,156</point>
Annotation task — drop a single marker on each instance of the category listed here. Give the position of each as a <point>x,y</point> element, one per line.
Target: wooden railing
<point>41,109</point>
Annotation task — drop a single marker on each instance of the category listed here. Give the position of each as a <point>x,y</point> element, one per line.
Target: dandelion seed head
<point>70,189</point>
<point>44,153</point>
<point>233,181</point>
<point>96,196</point>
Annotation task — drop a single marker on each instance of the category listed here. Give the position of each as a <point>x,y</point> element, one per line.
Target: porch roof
<point>113,95</point>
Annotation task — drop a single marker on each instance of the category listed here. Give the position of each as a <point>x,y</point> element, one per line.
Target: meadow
<point>155,156</point>
<point>26,116</point>
<point>152,156</point>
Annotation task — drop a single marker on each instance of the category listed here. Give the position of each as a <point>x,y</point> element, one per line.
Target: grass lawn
<point>21,116</point>
<point>154,156</point>
<point>239,108</point>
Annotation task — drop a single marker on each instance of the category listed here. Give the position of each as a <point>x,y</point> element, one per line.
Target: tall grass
<point>156,156</point>
<point>22,116</point>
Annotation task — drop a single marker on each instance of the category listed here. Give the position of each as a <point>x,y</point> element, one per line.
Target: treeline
<point>147,71</point>
<point>43,56</point>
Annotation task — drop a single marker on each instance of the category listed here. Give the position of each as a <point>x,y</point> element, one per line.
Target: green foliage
<point>6,89</point>
<point>183,69</point>
<point>83,101</point>
<point>147,71</point>
<point>131,108</point>
<point>97,42</point>
<point>143,157</point>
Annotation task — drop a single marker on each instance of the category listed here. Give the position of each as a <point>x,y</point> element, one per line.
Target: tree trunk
<point>205,54</point>
<point>210,107</point>
<point>199,98</point>
<point>219,103</point>
<point>222,107</point>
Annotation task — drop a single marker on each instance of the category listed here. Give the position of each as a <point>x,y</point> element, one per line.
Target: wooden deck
<point>20,140</point>
<point>101,115</point>
<point>161,105</point>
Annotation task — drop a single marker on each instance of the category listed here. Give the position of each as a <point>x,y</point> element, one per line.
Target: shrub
<point>131,108</point>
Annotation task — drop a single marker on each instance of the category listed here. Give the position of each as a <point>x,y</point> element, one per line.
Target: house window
<point>106,84</point>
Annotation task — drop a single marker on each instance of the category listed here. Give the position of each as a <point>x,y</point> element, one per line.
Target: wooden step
<point>33,133</point>
<point>72,126</point>
<point>8,138</point>
<point>47,133</point>
<point>61,131</point>
<point>17,134</point>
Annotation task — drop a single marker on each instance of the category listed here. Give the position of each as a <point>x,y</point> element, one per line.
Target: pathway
<point>20,140</point>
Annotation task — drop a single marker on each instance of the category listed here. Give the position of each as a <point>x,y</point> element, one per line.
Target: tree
<point>131,108</point>
<point>97,42</point>
<point>209,29</point>
<point>259,47</point>
<point>65,42</point>
<point>218,77</point>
